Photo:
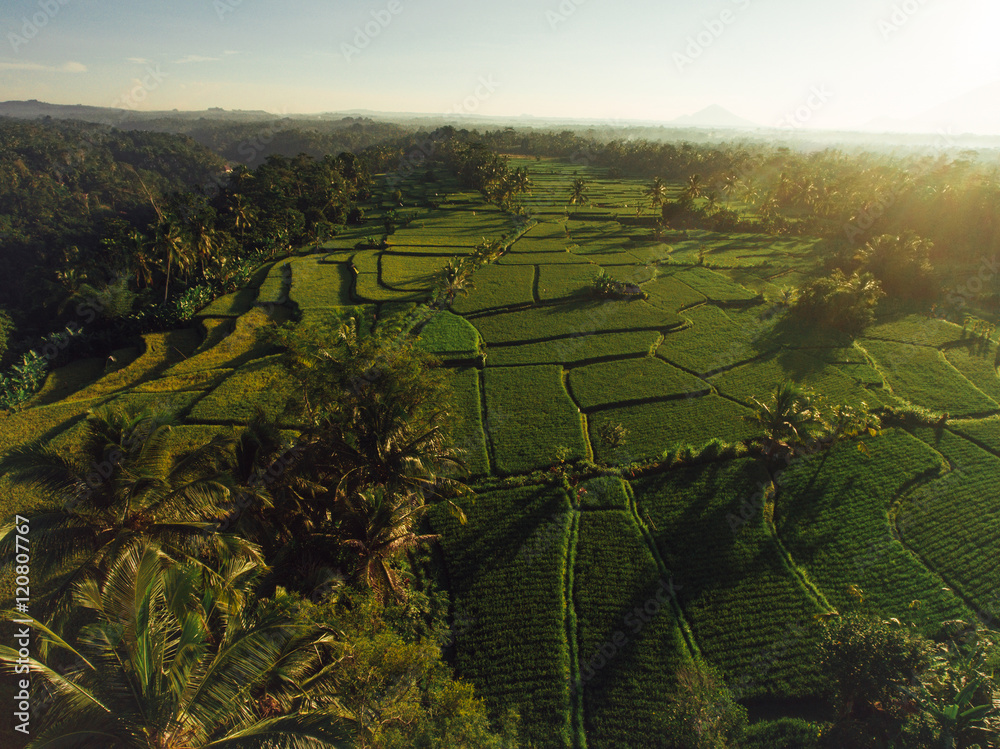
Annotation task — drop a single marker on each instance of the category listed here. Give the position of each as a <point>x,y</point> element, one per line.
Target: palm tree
<point>456,278</point>
<point>522,181</point>
<point>729,184</point>
<point>787,418</point>
<point>692,190</point>
<point>203,237</point>
<point>657,193</point>
<point>244,215</point>
<point>768,207</point>
<point>387,435</point>
<point>579,193</point>
<point>378,525</point>
<point>750,190</point>
<point>489,250</point>
<point>136,247</point>
<point>171,244</point>
<point>389,423</point>
<point>166,664</point>
<point>275,497</point>
<point>122,484</point>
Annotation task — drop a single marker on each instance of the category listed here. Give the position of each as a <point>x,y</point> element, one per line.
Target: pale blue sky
<point>606,59</point>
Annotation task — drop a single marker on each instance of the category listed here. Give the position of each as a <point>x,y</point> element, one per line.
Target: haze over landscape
<point>919,64</point>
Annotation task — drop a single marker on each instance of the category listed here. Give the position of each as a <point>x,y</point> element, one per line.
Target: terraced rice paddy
<point>576,602</point>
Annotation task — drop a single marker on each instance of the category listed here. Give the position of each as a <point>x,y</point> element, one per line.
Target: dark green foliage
<point>6,330</point>
<point>605,286</point>
<point>868,660</point>
<point>900,263</point>
<point>190,663</point>
<point>703,713</point>
<point>121,485</point>
<point>56,217</point>
<point>612,435</point>
<point>376,409</point>
<point>843,303</point>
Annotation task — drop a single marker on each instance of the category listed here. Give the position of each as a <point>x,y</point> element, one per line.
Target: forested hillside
<point>64,184</point>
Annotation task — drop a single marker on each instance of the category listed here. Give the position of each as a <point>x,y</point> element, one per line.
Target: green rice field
<point>622,524</point>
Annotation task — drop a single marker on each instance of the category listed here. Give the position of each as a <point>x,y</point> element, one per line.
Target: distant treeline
<point>84,206</point>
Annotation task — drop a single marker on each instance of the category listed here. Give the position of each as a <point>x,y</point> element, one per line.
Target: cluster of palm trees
<point>160,574</point>
<point>840,302</point>
<point>456,277</point>
<point>481,168</point>
<point>793,419</point>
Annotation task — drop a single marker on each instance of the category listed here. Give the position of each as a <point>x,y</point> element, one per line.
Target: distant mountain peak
<point>714,116</point>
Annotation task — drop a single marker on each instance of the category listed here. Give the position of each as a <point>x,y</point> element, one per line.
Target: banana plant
<point>957,715</point>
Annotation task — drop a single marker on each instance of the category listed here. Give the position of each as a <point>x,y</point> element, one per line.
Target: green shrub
<point>840,302</point>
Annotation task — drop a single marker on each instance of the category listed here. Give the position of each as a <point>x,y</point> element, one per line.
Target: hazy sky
<point>835,64</point>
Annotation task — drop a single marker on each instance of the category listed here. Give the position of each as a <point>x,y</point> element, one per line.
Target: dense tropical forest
<point>513,438</point>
